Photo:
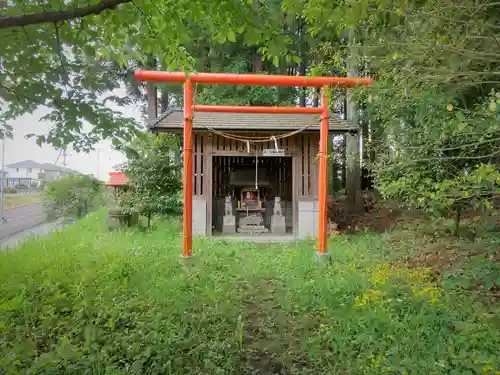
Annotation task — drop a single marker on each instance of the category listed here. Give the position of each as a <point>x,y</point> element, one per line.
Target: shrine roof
<point>117,179</point>
<point>174,119</point>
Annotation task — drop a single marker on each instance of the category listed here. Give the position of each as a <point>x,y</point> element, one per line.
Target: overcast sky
<point>20,148</point>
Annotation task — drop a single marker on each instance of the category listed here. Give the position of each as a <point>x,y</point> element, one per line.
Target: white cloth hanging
<point>256,170</point>
<point>273,138</point>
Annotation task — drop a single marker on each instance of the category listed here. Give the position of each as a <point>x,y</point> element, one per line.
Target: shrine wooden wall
<point>199,167</point>
<point>306,170</point>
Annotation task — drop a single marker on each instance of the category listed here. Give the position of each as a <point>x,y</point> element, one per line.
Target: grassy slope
<point>87,302</point>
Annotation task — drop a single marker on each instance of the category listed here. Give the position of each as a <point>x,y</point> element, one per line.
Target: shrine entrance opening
<point>252,195</point>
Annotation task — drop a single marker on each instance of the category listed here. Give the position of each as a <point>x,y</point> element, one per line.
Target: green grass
<point>84,301</point>
<point>12,201</point>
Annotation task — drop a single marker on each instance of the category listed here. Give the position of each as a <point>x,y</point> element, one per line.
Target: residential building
<point>30,172</point>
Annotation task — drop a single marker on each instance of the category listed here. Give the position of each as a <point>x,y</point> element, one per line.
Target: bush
<point>337,212</point>
<point>153,165</point>
<point>9,190</point>
<point>72,196</point>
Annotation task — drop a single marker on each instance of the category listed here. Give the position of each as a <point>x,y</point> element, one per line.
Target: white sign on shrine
<point>273,152</point>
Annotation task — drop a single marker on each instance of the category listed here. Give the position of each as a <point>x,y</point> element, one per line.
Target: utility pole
<point>98,163</point>
<point>3,182</point>
<point>64,160</point>
<point>2,218</point>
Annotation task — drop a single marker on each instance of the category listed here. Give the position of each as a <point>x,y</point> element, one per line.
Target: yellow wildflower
<point>370,297</point>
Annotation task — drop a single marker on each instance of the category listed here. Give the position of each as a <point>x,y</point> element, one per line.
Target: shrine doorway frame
<point>211,195</point>
<point>251,80</point>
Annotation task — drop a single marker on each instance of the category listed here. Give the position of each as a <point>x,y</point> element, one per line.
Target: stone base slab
<point>229,224</point>
<point>252,229</point>
<point>278,225</point>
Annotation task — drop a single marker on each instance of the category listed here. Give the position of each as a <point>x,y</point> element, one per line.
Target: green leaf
<point>231,36</point>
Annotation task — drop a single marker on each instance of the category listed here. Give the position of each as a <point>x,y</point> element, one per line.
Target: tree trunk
<point>257,62</point>
<point>282,90</point>
<point>152,94</point>
<point>457,221</point>
<point>303,62</point>
<point>165,97</point>
<point>353,162</point>
<point>317,94</point>
<point>257,65</point>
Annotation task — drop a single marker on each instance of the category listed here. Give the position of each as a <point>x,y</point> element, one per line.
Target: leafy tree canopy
<point>432,119</point>
<point>71,61</point>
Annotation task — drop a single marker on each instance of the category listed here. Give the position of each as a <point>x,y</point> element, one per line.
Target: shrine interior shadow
<point>251,185</point>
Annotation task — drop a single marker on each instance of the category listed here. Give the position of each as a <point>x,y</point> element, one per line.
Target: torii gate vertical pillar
<point>323,178</point>
<point>187,227</point>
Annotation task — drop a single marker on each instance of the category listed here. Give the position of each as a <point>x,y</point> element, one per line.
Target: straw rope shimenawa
<point>261,139</point>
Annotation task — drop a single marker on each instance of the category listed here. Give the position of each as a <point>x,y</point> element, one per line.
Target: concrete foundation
<point>199,216</point>
<point>322,257</point>
<point>278,225</point>
<point>307,218</point>
<point>229,224</point>
<point>256,229</point>
<point>307,215</point>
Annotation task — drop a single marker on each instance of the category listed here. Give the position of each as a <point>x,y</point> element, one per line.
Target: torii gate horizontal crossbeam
<point>250,79</point>
<point>256,109</point>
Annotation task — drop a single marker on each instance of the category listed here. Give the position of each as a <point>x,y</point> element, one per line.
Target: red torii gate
<point>251,80</point>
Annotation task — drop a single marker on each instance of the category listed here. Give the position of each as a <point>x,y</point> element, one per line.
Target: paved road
<point>38,231</point>
<point>21,218</point>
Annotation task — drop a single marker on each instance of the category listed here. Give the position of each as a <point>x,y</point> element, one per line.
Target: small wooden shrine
<point>224,171</point>
<point>116,215</point>
<point>117,180</point>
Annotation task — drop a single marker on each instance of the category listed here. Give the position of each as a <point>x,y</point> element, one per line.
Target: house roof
<point>117,179</point>
<point>53,167</point>
<point>46,166</point>
<point>24,164</point>
<point>174,119</point>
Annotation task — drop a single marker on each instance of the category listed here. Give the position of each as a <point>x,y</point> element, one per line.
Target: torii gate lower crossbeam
<point>257,80</point>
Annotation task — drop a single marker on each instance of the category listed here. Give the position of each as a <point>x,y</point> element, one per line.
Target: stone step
<point>252,229</point>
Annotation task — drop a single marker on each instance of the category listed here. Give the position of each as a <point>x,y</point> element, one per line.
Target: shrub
<point>72,196</point>
<point>153,165</point>
<point>9,190</point>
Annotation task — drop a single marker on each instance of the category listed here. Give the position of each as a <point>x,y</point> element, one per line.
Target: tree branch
<point>458,157</point>
<point>43,17</point>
